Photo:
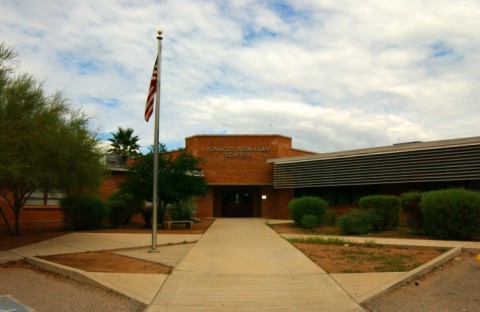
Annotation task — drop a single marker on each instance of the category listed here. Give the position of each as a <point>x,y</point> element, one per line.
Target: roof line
<point>390,149</point>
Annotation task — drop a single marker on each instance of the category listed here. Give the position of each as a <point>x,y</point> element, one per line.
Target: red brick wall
<point>284,196</point>
<point>269,204</point>
<point>221,169</point>
<point>110,183</point>
<point>204,205</point>
<point>29,213</point>
<point>239,159</point>
<point>54,213</point>
<point>51,213</point>
<point>242,160</point>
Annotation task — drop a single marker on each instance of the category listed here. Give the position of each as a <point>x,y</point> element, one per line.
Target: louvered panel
<point>441,164</point>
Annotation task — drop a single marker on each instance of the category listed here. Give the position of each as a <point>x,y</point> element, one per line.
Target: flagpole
<point>155,146</point>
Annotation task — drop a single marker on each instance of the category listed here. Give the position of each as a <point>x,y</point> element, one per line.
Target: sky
<point>331,74</point>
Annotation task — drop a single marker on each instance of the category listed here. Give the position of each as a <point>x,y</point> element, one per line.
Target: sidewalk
<point>237,265</point>
<point>243,265</point>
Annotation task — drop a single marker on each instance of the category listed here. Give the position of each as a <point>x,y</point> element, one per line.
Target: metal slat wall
<point>439,164</point>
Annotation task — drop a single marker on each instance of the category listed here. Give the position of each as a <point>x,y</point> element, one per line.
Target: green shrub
<point>117,211</point>
<point>452,213</point>
<point>183,210</point>
<point>386,209</point>
<point>84,211</point>
<point>356,221</point>
<point>310,221</point>
<point>410,204</point>
<point>134,206</point>
<point>330,217</point>
<point>307,205</point>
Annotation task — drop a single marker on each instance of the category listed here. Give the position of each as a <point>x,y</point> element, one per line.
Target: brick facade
<point>54,213</point>
<point>239,178</point>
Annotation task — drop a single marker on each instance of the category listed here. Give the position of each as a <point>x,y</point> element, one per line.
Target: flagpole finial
<point>159,32</point>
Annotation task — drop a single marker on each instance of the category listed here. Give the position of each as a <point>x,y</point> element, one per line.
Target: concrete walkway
<point>243,265</point>
<point>237,265</point>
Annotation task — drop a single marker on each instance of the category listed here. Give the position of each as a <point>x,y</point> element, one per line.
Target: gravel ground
<point>454,286</point>
<point>44,291</point>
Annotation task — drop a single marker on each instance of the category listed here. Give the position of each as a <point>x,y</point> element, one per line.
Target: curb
<point>411,275</point>
<point>7,256</point>
<point>75,274</point>
<point>81,276</point>
<point>472,249</point>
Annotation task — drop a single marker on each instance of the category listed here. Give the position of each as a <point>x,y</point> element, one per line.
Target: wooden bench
<point>168,224</point>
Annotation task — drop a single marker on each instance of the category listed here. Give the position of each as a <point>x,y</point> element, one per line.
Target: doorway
<point>237,204</point>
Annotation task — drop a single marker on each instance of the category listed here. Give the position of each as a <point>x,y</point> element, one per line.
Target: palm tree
<point>123,143</point>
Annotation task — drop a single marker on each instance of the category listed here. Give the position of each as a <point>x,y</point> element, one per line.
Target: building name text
<point>238,151</point>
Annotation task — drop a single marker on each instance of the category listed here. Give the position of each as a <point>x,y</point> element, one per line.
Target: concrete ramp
<point>243,265</point>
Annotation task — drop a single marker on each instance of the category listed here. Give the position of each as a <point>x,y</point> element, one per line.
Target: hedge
<point>410,204</point>
<point>307,205</point>
<point>356,222</point>
<point>84,211</point>
<point>451,214</point>
<point>385,207</point>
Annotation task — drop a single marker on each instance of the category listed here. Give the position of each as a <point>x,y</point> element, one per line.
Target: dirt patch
<point>109,262</point>
<point>359,258</point>
<point>364,259</point>
<point>23,264</point>
<point>291,228</point>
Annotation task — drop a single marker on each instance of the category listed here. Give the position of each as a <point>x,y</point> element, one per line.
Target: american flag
<point>151,93</point>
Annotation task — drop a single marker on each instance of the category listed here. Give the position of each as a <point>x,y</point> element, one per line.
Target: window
<point>45,198</point>
<point>343,195</point>
<point>339,195</point>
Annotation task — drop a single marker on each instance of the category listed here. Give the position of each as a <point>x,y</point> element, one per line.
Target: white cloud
<point>334,75</point>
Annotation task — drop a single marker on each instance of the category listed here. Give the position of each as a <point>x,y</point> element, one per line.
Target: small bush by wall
<point>183,210</point>
<point>410,204</point>
<point>452,213</point>
<point>124,214</point>
<point>386,209</point>
<point>307,205</point>
<point>330,217</point>
<point>117,211</point>
<point>356,222</point>
<point>84,211</point>
<point>310,221</point>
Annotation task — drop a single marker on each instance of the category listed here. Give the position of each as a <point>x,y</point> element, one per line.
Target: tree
<point>44,143</point>
<point>177,180</point>
<point>7,62</point>
<point>123,143</point>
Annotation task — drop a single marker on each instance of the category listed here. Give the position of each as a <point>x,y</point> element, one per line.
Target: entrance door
<point>237,204</point>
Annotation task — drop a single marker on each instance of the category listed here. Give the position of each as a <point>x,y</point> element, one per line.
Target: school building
<point>258,175</point>
<point>342,178</point>
<point>239,176</point>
